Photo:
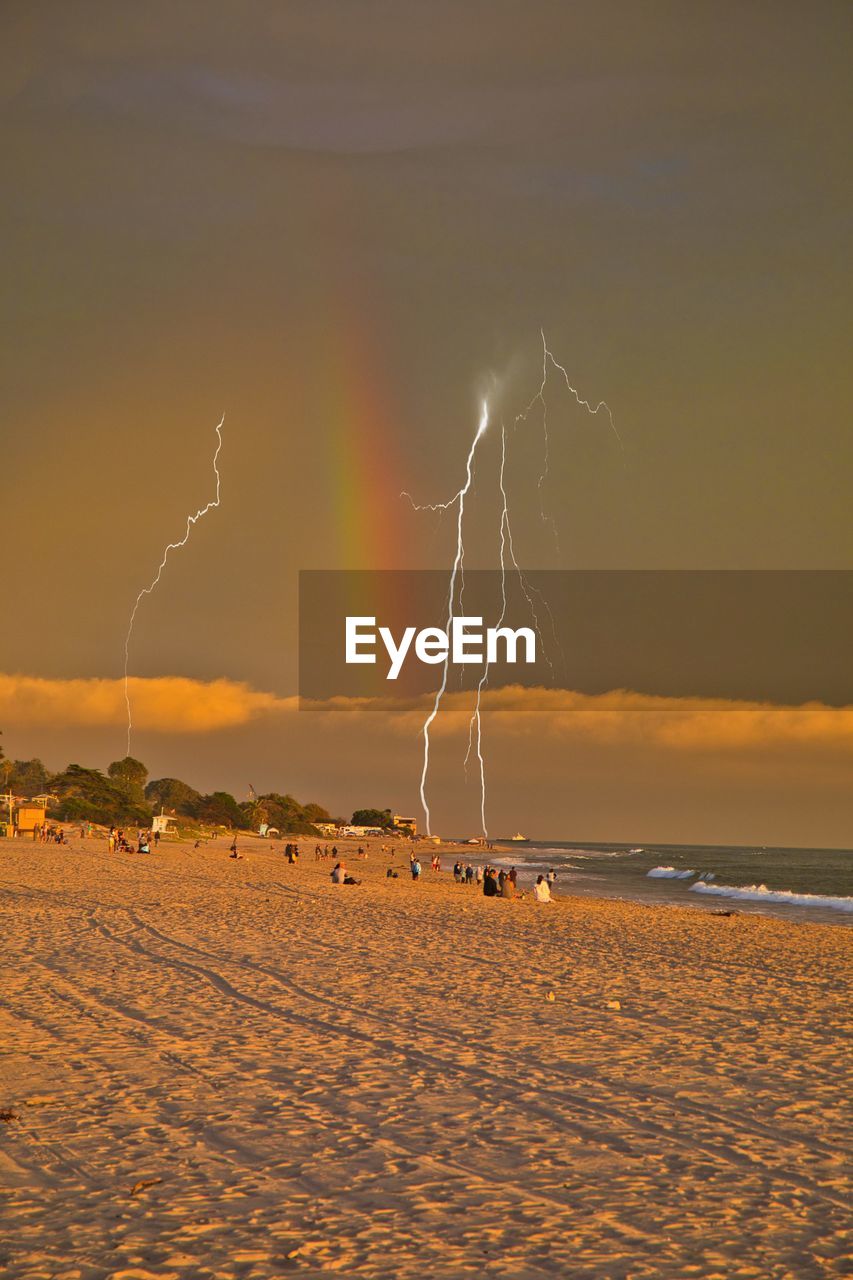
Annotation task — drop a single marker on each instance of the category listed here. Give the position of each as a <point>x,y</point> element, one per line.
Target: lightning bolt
<point>475,724</point>
<point>146,591</point>
<point>507,559</point>
<point>458,500</point>
<point>548,359</point>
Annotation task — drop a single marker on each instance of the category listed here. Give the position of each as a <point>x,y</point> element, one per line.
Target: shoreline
<point>646,892</point>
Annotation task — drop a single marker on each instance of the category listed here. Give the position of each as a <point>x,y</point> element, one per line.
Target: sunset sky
<point>342,225</point>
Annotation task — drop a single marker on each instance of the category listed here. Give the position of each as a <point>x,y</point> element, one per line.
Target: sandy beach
<point>217,1068</point>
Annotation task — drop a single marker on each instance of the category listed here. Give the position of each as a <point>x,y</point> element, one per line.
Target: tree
<point>256,811</point>
<point>285,813</point>
<point>221,809</point>
<point>373,818</point>
<point>131,774</point>
<point>27,777</point>
<point>316,813</point>
<point>175,796</point>
<point>87,794</point>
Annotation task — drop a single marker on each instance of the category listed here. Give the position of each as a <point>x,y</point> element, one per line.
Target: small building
<point>160,822</point>
<point>30,818</point>
<point>409,825</point>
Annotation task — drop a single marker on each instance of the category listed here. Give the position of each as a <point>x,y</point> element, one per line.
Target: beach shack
<point>30,817</point>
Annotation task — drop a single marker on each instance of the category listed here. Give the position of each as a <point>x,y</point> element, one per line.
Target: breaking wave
<point>760,893</point>
<point>669,873</point>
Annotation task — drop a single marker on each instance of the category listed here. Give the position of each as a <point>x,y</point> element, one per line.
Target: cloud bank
<point>180,705</point>
<point>163,704</point>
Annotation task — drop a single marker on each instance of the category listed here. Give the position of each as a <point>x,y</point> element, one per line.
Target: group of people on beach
<point>498,883</point>
<point>117,841</point>
<point>325,852</point>
<point>50,835</point>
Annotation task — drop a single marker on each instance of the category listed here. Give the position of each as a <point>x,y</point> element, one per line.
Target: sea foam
<point>669,873</point>
<point>760,893</point>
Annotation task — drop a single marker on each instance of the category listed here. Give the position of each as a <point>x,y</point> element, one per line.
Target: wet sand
<point>223,1068</point>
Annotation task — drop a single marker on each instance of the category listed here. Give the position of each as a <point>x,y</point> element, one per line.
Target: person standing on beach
<point>513,875</point>
<point>416,869</point>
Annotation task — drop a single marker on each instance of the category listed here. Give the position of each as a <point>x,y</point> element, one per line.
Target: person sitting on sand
<point>351,880</point>
<point>542,890</point>
<point>336,875</point>
<point>507,888</point>
<point>490,884</point>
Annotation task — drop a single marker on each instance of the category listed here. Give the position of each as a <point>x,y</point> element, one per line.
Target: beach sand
<point>373,1080</point>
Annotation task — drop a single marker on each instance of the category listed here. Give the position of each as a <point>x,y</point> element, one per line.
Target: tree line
<point>124,794</point>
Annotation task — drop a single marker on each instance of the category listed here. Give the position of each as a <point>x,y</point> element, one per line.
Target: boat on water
<point>519,837</point>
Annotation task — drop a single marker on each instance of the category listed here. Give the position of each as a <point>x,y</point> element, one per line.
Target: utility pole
<point>10,801</point>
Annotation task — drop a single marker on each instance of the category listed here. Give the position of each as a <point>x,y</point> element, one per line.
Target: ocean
<point>794,884</point>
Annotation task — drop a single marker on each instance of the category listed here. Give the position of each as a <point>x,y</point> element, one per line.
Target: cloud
<point>179,705</point>
<point>622,717</point>
<point>163,704</point>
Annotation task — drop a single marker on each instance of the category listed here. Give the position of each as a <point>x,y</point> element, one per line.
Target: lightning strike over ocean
<point>507,558</point>
<point>192,520</point>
